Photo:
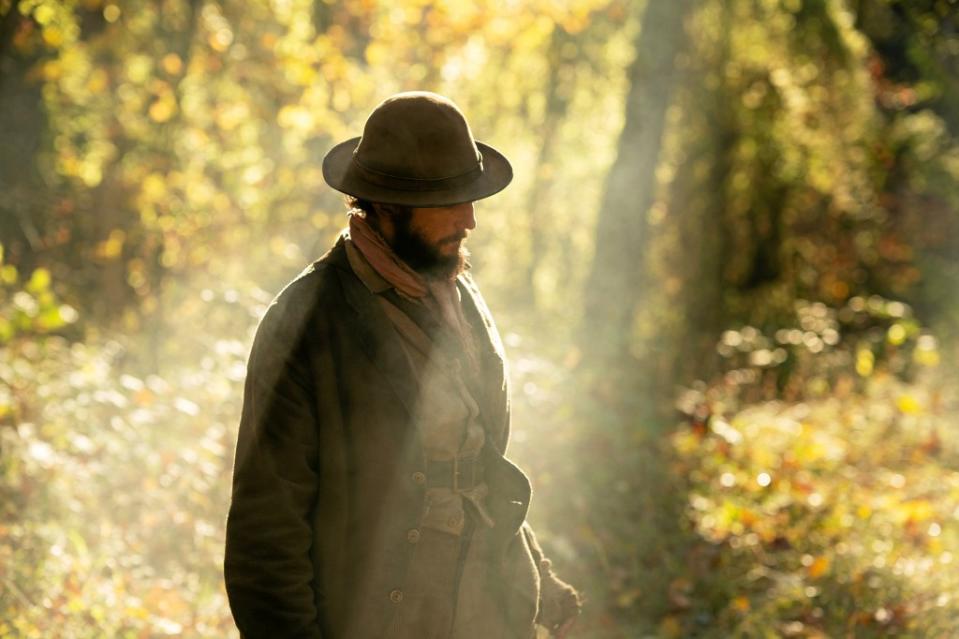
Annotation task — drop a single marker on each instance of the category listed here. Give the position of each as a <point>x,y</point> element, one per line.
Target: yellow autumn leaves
<point>32,307</point>
<point>829,496</point>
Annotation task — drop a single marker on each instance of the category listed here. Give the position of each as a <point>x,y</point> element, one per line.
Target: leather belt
<point>460,473</point>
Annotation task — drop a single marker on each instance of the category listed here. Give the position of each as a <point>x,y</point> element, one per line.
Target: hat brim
<point>338,171</point>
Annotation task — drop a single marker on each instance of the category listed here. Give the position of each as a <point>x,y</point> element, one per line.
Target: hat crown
<point>416,150</point>
<point>417,135</point>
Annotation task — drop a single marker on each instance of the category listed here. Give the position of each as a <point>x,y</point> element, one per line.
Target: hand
<point>563,630</point>
<point>560,603</point>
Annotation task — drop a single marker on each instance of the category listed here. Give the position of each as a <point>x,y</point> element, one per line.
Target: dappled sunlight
<point>724,274</point>
<point>115,488</point>
<point>812,505</point>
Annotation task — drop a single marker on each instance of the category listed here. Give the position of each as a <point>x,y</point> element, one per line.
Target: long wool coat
<point>328,476</point>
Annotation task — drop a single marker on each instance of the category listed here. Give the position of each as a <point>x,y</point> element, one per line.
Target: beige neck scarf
<point>382,258</point>
<point>439,295</point>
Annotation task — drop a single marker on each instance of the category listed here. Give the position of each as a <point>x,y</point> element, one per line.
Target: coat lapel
<point>493,360</point>
<point>510,491</point>
<point>376,334</point>
<point>509,488</point>
<point>382,345</point>
<point>479,316</point>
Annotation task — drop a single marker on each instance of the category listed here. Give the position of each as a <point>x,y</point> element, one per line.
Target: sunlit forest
<point>726,275</point>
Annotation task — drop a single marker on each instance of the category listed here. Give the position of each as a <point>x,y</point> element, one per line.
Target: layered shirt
<point>446,594</point>
<point>447,413</point>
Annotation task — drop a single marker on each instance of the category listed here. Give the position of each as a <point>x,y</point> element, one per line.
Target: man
<point>371,495</point>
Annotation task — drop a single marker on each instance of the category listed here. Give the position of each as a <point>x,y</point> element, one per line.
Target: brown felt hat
<point>416,150</point>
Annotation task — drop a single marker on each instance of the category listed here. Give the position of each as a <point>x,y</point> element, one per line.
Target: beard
<point>422,256</point>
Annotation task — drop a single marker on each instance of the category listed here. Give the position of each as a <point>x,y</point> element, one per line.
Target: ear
<point>386,210</point>
<point>382,219</point>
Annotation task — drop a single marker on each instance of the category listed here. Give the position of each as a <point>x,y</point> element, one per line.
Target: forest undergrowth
<point>818,503</point>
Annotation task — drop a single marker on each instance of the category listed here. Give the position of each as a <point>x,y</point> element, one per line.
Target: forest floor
<point>831,517</point>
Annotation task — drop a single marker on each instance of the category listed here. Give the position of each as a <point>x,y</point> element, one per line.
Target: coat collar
<point>492,361</point>
<point>380,343</point>
<point>510,490</point>
<point>480,317</point>
<point>376,334</point>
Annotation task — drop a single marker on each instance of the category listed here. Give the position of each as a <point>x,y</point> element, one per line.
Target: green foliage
<point>113,489</point>
<point>819,488</point>
<point>30,308</point>
<point>799,165</point>
<point>177,136</point>
<point>161,173</point>
<point>823,351</point>
<point>827,517</point>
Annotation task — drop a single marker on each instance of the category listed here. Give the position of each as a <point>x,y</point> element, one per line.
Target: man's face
<point>430,240</point>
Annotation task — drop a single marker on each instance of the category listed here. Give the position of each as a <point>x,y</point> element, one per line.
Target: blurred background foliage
<point>725,272</point>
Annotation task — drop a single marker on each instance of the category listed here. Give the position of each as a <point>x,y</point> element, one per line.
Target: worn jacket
<point>328,476</point>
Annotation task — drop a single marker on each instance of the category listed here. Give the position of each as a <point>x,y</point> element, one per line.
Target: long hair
<point>371,210</point>
<point>366,206</point>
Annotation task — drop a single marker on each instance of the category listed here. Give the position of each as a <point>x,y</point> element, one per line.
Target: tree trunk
<point>704,223</point>
<point>24,209</point>
<point>557,93</point>
<point>613,287</point>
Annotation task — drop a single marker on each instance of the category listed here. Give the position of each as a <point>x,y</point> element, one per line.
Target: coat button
<point>413,535</point>
<point>419,478</point>
<point>454,520</point>
<point>396,596</point>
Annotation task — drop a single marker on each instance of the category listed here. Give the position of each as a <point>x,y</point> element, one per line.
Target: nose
<point>466,217</point>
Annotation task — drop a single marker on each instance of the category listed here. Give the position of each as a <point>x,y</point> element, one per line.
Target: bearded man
<point>371,493</point>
